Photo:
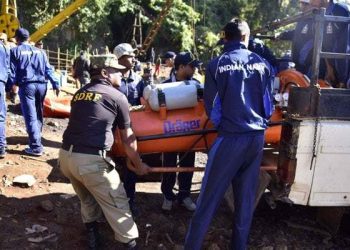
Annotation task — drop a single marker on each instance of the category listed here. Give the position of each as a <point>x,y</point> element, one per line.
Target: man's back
<point>28,63</point>
<point>94,110</point>
<point>242,81</point>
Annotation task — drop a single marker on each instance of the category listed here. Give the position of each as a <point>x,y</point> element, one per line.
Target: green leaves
<point>190,24</point>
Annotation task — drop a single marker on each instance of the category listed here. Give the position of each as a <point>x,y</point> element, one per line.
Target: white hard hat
<point>124,49</point>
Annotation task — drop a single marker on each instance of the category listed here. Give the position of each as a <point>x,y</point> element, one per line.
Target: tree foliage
<point>190,25</point>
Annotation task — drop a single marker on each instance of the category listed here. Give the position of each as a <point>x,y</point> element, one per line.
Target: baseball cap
<point>186,58</point>
<point>105,61</point>
<point>169,54</point>
<point>123,49</point>
<point>22,34</point>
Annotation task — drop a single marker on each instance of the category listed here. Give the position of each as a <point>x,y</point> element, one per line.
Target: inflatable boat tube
<point>58,107</point>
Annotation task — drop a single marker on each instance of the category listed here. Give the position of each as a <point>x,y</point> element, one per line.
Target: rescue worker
<point>302,38</point>
<point>81,67</point>
<point>11,91</point>
<point>238,99</point>
<point>96,108</point>
<point>336,39</point>
<point>185,65</point>
<point>4,73</point>
<point>30,69</point>
<point>131,86</point>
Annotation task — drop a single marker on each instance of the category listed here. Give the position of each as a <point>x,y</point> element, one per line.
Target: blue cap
<point>169,54</point>
<point>22,34</point>
<point>186,58</point>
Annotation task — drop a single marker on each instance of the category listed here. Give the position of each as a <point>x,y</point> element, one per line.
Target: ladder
<point>137,31</point>
<point>156,25</point>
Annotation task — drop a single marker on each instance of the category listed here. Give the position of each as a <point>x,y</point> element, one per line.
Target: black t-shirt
<point>96,109</point>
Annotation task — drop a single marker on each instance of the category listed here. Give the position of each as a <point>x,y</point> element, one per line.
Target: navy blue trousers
<point>32,98</point>
<point>130,177</point>
<point>184,179</point>
<point>2,118</point>
<point>232,160</point>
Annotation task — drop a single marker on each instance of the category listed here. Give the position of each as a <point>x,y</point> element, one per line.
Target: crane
<point>8,19</point>
<point>57,20</point>
<point>9,22</point>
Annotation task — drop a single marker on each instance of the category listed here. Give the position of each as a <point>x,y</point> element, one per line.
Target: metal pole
<point>319,27</point>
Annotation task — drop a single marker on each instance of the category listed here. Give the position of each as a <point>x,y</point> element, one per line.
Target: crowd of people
<point>238,100</point>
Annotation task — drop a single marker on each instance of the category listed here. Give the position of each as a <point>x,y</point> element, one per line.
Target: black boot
<point>131,245</point>
<point>93,235</point>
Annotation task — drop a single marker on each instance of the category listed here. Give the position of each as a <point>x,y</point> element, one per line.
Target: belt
<point>83,150</point>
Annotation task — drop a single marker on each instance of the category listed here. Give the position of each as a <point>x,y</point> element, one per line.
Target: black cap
<point>186,58</point>
<point>169,54</point>
<point>22,34</point>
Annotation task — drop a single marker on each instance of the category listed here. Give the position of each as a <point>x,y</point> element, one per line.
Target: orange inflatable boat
<point>181,123</point>
<point>57,107</point>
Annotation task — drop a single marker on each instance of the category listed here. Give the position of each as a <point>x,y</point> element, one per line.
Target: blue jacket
<point>337,39</point>
<point>132,87</point>
<point>30,64</point>
<point>4,63</point>
<point>238,91</point>
<point>302,38</point>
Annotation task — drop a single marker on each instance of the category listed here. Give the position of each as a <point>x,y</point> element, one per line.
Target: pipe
<point>197,169</point>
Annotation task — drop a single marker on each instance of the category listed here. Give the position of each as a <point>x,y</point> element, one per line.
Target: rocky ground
<point>46,215</point>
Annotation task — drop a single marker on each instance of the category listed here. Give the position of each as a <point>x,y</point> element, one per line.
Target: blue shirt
<point>238,91</point>
<point>337,39</point>
<point>132,87</point>
<point>30,64</point>
<point>4,63</point>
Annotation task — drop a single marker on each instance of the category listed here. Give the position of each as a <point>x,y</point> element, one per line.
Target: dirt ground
<point>51,203</point>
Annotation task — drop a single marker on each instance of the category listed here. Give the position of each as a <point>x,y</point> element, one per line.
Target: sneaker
<point>188,204</point>
<point>30,151</point>
<point>167,204</point>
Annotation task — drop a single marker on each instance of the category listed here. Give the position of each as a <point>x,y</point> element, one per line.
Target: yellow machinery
<point>9,22</point>
<point>8,18</point>
<point>57,20</point>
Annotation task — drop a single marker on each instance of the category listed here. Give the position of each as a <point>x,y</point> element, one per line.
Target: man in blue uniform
<point>96,108</point>
<point>302,38</point>
<point>184,65</point>
<point>238,99</point>
<point>4,72</point>
<point>30,69</point>
<point>132,86</point>
<point>336,39</point>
